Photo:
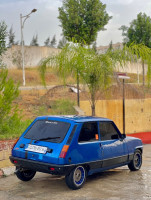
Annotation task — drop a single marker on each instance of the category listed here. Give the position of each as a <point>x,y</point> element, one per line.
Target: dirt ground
<point>36,101</point>
<point>33,101</point>
<point>114,184</point>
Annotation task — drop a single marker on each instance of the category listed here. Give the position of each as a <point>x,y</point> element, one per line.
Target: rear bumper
<point>41,167</point>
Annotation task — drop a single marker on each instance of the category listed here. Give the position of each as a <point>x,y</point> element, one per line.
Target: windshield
<point>48,130</point>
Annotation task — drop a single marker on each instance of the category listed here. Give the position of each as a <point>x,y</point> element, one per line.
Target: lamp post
<point>22,22</point>
<point>123,76</point>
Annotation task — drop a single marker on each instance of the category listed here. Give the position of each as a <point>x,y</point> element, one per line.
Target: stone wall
<point>5,152</point>
<point>138,113</point>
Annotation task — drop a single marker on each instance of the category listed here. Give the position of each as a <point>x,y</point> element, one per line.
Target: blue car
<point>73,146</point>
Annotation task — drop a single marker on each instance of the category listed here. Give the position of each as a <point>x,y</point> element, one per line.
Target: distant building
<point>103,49</point>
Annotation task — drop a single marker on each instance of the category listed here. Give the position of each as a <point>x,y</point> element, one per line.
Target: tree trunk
<point>78,95</point>
<point>93,104</point>
<point>143,67</point>
<point>93,110</point>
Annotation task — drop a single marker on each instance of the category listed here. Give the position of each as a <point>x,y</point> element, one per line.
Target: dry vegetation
<point>42,102</point>
<point>33,77</point>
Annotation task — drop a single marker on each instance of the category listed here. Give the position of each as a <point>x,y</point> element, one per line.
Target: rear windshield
<point>47,130</point>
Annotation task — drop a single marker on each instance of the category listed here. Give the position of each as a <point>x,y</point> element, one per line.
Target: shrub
<point>11,124</point>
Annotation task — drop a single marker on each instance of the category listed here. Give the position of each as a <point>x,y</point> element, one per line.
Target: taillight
<point>52,168</point>
<point>64,151</point>
<point>15,143</point>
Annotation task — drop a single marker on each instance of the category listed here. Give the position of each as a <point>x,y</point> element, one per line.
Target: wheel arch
<point>140,148</point>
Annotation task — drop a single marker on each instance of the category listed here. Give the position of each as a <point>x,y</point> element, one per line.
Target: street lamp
<point>22,22</point>
<point>123,76</point>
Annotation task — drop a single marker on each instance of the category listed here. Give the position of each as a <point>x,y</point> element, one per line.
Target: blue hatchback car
<point>73,146</point>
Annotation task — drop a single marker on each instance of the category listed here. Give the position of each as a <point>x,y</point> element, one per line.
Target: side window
<point>107,131</point>
<point>89,132</point>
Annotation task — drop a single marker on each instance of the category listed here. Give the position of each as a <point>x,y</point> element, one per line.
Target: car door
<point>114,149</point>
<point>88,147</point>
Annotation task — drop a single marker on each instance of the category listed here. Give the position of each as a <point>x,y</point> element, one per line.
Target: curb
<point>144,136</point>
<point>6,171</point>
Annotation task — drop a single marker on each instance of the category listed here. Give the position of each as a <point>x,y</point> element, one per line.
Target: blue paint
<point>95,155</point>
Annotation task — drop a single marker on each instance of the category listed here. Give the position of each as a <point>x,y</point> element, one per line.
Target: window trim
<point>94,141</point>
<point>117,130</point>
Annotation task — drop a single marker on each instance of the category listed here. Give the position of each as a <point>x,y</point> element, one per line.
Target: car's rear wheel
<point>24,175</point>
<point>76,178</point>
<point>136,163</point>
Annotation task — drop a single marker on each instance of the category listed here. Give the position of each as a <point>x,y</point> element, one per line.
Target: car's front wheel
<point>136,163</point>
<point>24,175</point>
<point>76,178</point>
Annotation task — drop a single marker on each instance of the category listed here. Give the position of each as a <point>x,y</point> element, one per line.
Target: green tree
<point>53,41</point>
<point>62,43</point>
<point>93,69</point>
<point>111,46</point>
<point>47,42</point>
<point>94,46</point>
<point>11,124</point>
<point>8,93</point>
<point>3,35</point>
<point>139,32</point>
<point>11,38</point>
<point>124,30</point>
<point>82,19</point>
<point>34,41</point>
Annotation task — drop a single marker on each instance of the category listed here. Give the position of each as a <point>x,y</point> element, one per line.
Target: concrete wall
<point>33,55</point>
<point>135,68</point>
<point>138,113</point>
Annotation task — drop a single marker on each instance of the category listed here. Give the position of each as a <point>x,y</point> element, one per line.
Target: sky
<point>45,23</point>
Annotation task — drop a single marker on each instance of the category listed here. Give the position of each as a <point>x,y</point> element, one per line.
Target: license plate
<point>37,149</point>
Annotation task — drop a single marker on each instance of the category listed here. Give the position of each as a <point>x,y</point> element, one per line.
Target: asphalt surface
<point>115,184</point>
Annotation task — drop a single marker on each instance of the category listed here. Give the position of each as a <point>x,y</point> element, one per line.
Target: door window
<point>108,131</point>
<point>89,132</point>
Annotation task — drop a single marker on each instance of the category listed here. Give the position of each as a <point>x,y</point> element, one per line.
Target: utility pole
<point>123,76</point>
<point>22,22</point>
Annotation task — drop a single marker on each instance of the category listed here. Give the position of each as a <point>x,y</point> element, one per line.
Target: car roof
<point>75,118</point>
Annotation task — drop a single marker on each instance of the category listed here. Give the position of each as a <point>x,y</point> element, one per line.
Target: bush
<point>63,107</point>
<point>11,125</point>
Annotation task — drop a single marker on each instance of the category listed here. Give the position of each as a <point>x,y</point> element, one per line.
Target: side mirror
<point>123,136</point>
<point>114,137</point>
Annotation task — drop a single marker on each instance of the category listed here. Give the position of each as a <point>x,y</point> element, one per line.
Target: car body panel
<point>96,156</point>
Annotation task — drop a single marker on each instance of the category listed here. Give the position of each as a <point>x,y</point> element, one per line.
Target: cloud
<point>127,2</point>
<point>45,22</point>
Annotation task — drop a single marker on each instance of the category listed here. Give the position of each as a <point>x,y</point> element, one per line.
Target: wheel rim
<point>79,175</point>
<point>137,160</point>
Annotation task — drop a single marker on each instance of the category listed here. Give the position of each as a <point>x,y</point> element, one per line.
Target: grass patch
<point>63,107</point>
<point>56,107</point>
<point>41,110</point>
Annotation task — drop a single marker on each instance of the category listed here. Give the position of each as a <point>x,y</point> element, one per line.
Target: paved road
<point>115,184</point>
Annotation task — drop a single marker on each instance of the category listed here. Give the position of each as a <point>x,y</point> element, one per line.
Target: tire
<point>136,163</point>
<point>77,177</point>
<point>25,175</point>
